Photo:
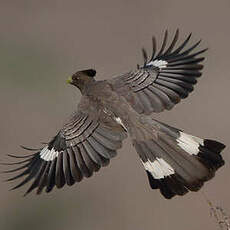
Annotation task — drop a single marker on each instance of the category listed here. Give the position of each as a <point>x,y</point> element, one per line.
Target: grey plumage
<point>175,162</point>
<point>74,169</point>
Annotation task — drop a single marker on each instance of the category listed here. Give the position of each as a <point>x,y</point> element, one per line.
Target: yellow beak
<point>69,80</point>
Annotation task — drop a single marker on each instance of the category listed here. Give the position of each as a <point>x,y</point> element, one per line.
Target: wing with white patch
<point>85,144</point>
<point>164,80</point>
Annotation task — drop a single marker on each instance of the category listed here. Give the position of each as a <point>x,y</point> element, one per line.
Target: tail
<point>177,162</point>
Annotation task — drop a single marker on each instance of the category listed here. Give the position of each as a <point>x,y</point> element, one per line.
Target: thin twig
<point>220,215</point>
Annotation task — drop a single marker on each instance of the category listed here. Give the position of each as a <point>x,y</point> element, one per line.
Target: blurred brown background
<point>42,43</point>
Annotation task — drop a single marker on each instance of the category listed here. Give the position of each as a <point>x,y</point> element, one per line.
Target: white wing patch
<point>190,143</point>
<point>48,155</point>
<point>119,121</point>
<point>158,63</point>
<point>158,168</point>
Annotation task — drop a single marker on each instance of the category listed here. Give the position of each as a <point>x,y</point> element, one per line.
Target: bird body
<point>110,110</point>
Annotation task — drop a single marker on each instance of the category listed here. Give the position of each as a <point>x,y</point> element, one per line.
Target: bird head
<point>81,78</point>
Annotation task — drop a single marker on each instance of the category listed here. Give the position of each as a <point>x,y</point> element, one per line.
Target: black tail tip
<point>214,146</point>
<point>210,154</point>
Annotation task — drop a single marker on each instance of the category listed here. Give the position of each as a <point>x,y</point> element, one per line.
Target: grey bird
<point>110,110</point>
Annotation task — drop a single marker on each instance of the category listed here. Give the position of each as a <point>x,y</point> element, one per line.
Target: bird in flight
<point>110,110</point>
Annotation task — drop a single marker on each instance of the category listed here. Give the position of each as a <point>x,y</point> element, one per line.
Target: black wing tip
<point>34,169</point>
<point>28,168</point>
<point>166,33</point>
<point>169,51</point>
<point>145,56</point>
<point>25,194</point>
<point>203,50</point>
<point>28,192</point>
<point>15,187</point>
<point>177,51</point>
<point>15,156</point>
<point>29,148</point>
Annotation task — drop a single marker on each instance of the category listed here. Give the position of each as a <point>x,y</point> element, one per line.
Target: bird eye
<point>75,78</point>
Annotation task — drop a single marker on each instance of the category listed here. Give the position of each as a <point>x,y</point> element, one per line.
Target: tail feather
<point>177,162</point>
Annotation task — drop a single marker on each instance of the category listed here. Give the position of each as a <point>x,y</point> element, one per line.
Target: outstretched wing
<point>162,81</point>
<point>84,145</point>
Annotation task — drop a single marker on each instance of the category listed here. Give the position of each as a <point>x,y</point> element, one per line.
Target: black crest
<point>89,72</point>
